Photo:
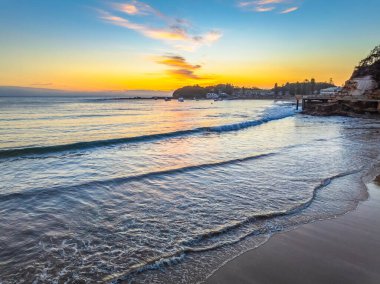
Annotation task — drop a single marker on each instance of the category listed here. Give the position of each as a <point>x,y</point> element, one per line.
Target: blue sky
<point>94,44</point>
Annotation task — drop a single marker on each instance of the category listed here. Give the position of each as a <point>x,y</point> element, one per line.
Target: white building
<point>212,96</point>
<point>331,91</point>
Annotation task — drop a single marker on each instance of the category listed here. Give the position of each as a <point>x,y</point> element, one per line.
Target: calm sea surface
<point>109,191</point>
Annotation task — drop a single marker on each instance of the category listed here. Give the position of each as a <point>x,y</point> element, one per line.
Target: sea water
<point>96,190</point>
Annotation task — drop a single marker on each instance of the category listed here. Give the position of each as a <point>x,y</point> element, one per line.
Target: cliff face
<point>360,86</point>
<point>365,80</point>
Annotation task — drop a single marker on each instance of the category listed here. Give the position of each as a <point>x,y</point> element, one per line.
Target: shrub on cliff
<point>369,66</point>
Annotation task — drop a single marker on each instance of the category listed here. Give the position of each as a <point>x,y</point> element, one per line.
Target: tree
<point>369,65</point>
<point>229,89</point>
<point>312,85</point>
<point>297,89</point>
<point>372,58</point>
<point>189,92</point>
<point>276,89</point>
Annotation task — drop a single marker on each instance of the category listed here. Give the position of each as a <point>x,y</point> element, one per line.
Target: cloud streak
<point>167,34</point>
<point>289,10</point>
<point>269,6</point>
<point>170,30</point>
<point>135,8</point>
<point>264,9</point>
<point>179,67</point>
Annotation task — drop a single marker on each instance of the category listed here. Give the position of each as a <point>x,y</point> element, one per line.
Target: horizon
<point>99,46</point>
<point>20,91</point>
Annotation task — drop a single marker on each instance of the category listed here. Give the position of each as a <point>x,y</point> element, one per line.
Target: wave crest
<point>271,114</point>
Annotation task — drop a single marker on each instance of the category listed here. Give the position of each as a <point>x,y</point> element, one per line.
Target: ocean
<point>94,190</point>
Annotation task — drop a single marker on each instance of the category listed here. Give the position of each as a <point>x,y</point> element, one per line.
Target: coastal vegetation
<point>369,66</point>
<point>196,91</point>
<point>365,79</point>
<point>307,87</point>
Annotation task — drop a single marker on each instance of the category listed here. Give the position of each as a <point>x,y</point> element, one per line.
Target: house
<point>212,96</point>
<point>331,91</point>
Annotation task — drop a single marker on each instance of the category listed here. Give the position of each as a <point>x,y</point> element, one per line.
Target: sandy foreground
<point>342,250</point>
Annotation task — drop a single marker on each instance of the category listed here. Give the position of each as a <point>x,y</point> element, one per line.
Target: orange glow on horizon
<point>171,72</point>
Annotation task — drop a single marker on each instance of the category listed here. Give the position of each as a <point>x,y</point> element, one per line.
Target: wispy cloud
<point>259,3</point>
<point>177,61</point>
<point>134,8</point>
<point>168,34</point>
<point>179,67</point>
<point>192,43</point>
<point>269,5</point>
<point>264,9</point>
<point>128,8</point>
<point>175,31</point>
<point>289,10</point>
<point>184,74</point>
<point>41,84</point>
<point>266,2</point>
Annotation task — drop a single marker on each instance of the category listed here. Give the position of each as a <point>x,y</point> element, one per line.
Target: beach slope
<point>342,250</point>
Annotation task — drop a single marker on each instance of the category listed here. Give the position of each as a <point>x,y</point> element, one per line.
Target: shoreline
<point>344,249</point>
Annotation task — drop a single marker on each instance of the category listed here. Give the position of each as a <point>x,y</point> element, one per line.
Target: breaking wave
<point>274,113</point>
<point>121,180</point>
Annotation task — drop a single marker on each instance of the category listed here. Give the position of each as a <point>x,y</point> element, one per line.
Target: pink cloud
<point>172,30</point>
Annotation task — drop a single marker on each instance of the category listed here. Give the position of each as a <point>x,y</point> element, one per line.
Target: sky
<point>100,45</point>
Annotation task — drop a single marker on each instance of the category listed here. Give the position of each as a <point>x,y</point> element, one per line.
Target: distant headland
<point>229,91</point>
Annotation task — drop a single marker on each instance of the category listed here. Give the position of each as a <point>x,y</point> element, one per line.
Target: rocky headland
<point>359,96</point>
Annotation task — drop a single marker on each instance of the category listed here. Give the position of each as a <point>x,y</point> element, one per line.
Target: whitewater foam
<point>193,246</point>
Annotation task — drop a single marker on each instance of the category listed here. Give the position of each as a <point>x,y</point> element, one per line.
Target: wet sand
<point>342,250</point>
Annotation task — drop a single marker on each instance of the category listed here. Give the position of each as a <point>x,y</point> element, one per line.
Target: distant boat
<point>167,99</point>
<point>181,100</point>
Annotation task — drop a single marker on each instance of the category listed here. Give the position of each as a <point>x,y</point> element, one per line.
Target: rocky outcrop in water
<point>343,108</point>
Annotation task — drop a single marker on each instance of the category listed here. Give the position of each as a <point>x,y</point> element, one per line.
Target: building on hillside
<point>331,91</point>
<point>223,95</point>
<point>251,92</point>
<point>212,96</point>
